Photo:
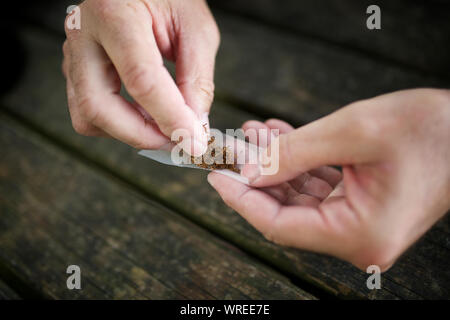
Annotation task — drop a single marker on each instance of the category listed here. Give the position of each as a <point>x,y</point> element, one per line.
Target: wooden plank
<point>6,293</point>
<point>56,211</point>
<point>290,76</point>
<point>414,33</point>
<point>41,102</point>
<point>296,78</point>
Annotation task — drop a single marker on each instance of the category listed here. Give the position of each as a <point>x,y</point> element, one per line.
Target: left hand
<point>394,151</point>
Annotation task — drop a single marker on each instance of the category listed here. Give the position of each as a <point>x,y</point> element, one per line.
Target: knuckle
<point>80,127</point>
<point>285,149</point>
<point>103,9</point>
<point>214,34</point>
<point>138,145</point>
<point>206,88</point>
<point>274,237</point>
<point>203,86</point>
<point>88,110</point>
<point>65,48</point>
<point>207,30</point>
<point>269,236</point>
<point>138,80</point>
<point>274,231</point>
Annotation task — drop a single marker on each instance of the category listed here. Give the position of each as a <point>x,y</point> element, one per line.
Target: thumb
<point>345,137</point>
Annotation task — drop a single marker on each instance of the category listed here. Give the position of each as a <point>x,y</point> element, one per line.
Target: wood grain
<point>6,293</point>
<point>40,102</point>
<point>413,34</point>
<point>57,211</point>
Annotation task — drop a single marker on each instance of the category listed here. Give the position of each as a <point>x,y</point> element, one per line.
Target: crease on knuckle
<point>138,81</point>
<point>204,86</point>
<point>65,48</point>
<point>214,35</point>
<point>142,133</point>
<point>88,110</point>
<point>80,126</point>
<point>103,9</point>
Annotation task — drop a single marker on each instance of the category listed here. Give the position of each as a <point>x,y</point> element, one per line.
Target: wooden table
<point>141,230</point>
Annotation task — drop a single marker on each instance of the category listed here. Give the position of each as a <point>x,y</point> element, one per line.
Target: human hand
<point>394,150</point>
<point>125,41</point>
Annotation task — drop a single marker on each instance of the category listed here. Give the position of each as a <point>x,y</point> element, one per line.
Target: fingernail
<point>194,147</point>
<point>199,148</point>
<point>204,118</point>
<point>251,172</point>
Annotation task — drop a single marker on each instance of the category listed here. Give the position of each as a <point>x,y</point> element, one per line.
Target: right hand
<point>125,41</point>
<point>394,150</point>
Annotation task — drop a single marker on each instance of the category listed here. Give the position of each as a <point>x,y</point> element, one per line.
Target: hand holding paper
<point>395,155</point>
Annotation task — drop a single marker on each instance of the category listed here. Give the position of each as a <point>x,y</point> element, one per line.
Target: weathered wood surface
<point>39,100</point>
<point>6,293</point>
<point>57,211</point>
<point>286,75</point>
<point>414,33</point>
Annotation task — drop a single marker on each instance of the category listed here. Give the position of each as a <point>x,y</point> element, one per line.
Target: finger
<point>303,184</point>
<point>339,139</point>
<point>310,185</point>
<point>303,227</point>
<point>303,200</point>
<point>254,205</point>
<point>281,125</point>
<point>330,175</point>
<point>95,100</point>
<point>197,46</point>
<point>286,195</point>
<point>257,133</point>
<point>134,52</point>
<point>317,188</point>
<point>80,125</point>
<point>281,192</point>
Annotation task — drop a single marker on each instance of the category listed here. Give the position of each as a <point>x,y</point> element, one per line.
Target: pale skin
<point>394,149</point>
<point>125,41</point>
<point>395,183</point>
